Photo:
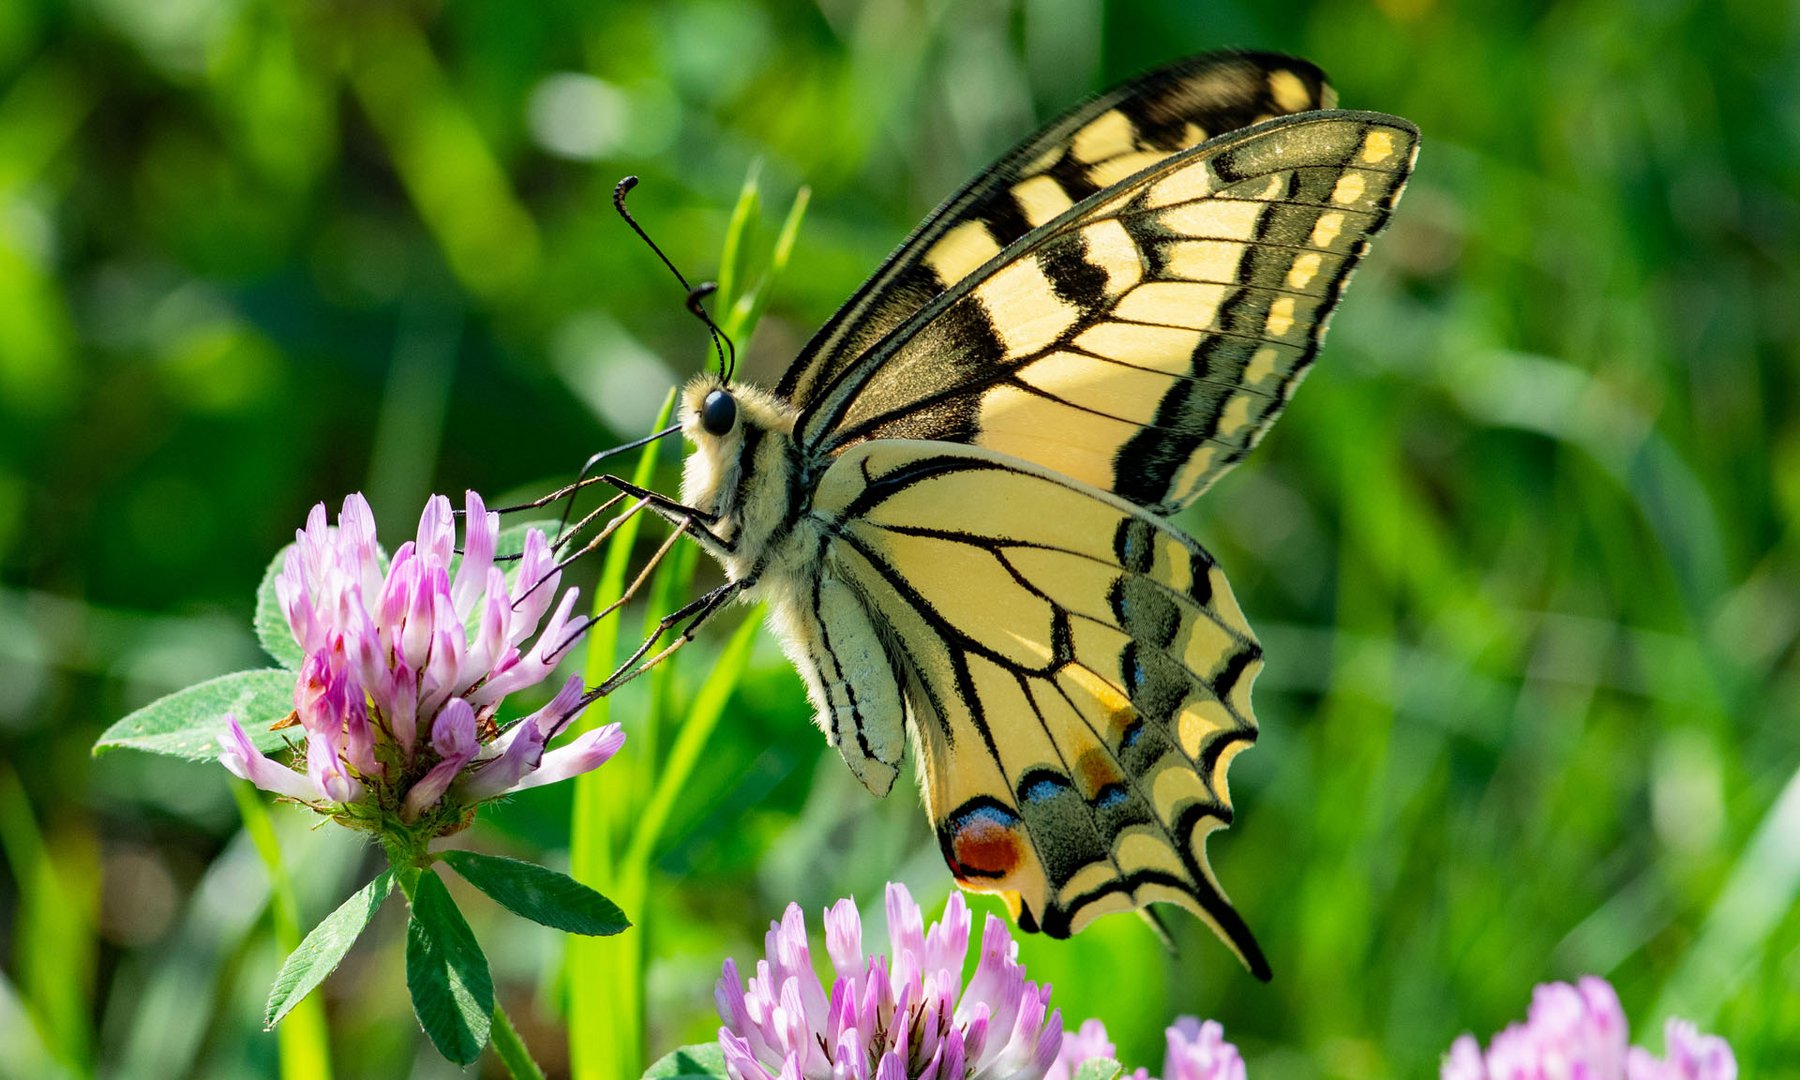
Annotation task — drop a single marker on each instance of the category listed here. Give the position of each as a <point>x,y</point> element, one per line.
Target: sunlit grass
<point>1522,553</point>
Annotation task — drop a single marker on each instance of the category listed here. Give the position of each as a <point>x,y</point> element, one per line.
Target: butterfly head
<point>730,426</point>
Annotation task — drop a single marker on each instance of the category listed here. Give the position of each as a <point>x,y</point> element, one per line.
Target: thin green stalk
<point>54,947</point>
<point>602,984</point>
<point>672,581</point>
<point>748,308</point>
<point>696,731</point>
<point>743,213</point>
<point>511,1049</point>
<point>302,1039</point>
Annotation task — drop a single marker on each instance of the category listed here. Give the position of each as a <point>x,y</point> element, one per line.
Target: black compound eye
<point>718,412</point>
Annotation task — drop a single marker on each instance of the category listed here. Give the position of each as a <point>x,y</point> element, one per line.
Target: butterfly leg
<point>692,518</point>
<point>699,612</point>
<point>642,575</point>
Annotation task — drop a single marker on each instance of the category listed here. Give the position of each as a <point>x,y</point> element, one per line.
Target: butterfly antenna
<point>721,341</point>
<point>727,367</point>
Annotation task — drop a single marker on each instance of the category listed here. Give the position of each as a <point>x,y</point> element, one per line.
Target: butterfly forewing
<point>1080,677</point>
<point>1086,150</point>
<point>1143,341</point>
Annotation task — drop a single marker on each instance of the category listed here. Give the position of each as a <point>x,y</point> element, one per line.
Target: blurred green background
<point>1523,555</point>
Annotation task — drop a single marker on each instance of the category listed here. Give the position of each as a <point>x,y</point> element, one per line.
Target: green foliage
<point>1099,1069</point>
<point>446,973</point>
<point>325,947</point>
<point>616,827</point>
<point>605,1022</point>
<point>704,1061</point>
<point>538,893</point>
<point>188,723</point>
<point>1521,553</point>
<point>56,940</point>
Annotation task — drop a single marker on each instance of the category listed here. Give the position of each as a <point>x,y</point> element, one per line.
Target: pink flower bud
<point>243,759</point>
<point>481,530</point>
<point>437,532</point>
<point>453,737</point>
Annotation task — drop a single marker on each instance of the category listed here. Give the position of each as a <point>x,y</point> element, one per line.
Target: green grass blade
<point>303,1037</point>
<point>23,1055</point>
<point>625,955</point>
<point>743,214</point>
<point>702,717</point>
<point>1761,891</point>
<point>601,988</point>
<point>747,310</point>
<point>614,837</point>
<point>54,945</point>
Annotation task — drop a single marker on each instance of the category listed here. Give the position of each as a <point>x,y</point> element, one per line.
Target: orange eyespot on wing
<point>983,841</point>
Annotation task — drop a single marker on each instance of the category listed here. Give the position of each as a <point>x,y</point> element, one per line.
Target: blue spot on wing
<point>989,812</point>
<point>1042,785</point>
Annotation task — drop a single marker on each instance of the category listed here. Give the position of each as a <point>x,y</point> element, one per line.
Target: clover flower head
<point>1579,1032</point>
<point>1087,1043</point>
<point>406,667</point>
<point>1691,1056</point>
<point>902,1015</point>
<point>1197,1050</point>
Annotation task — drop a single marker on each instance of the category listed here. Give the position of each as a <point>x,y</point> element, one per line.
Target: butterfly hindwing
<point>1145,339</point>
<point>1082,152</point>
<point>1077,671</point>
